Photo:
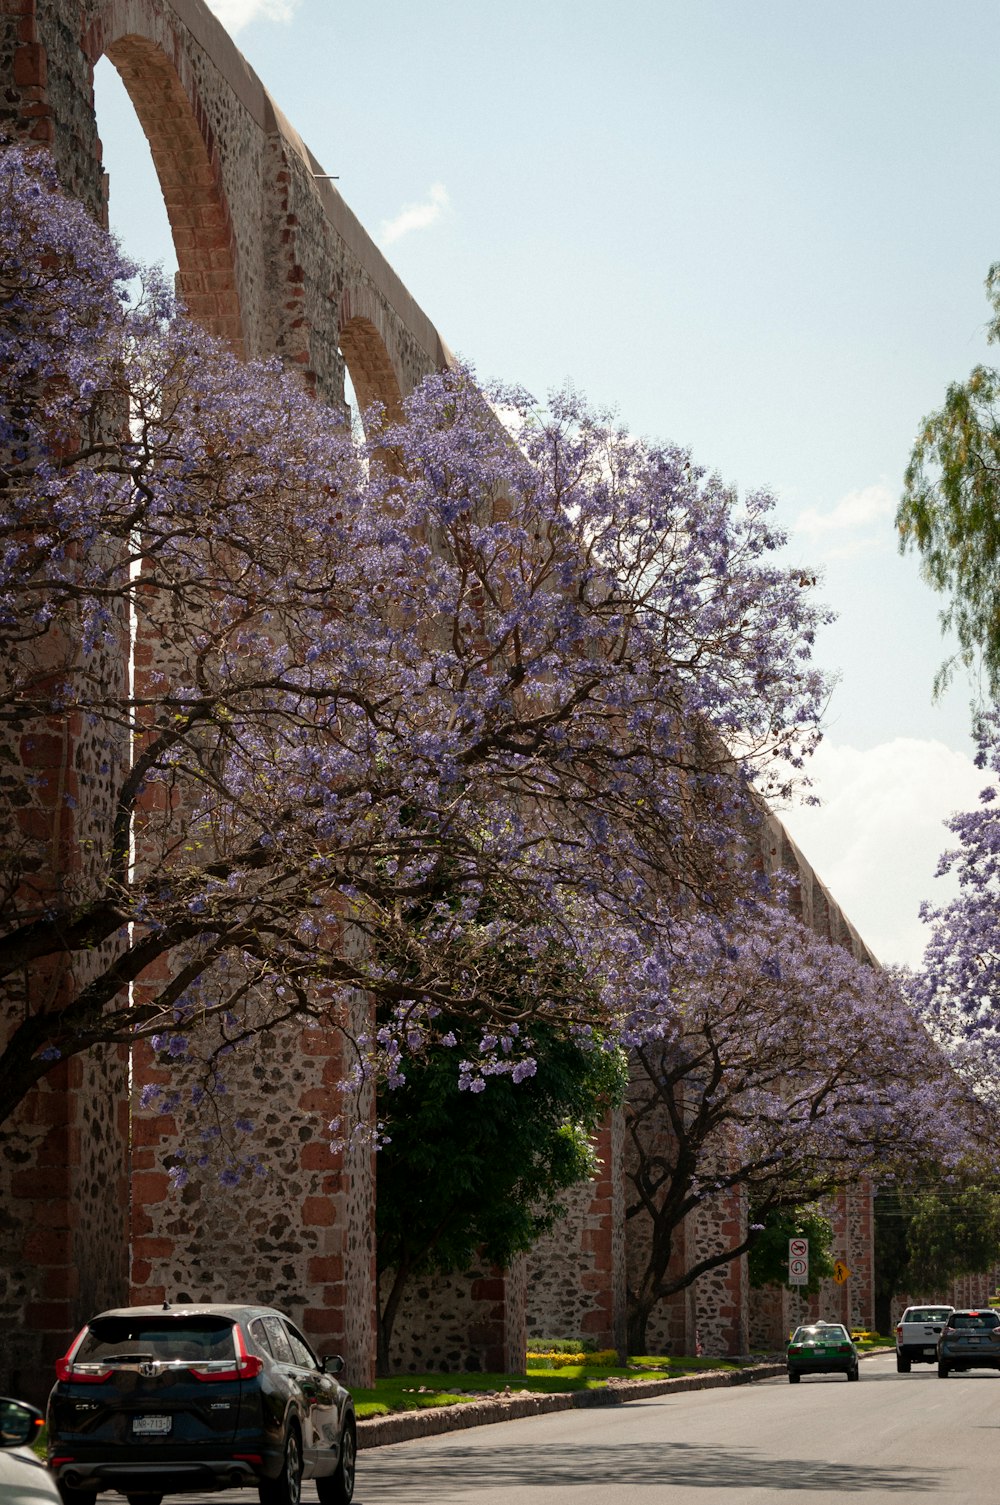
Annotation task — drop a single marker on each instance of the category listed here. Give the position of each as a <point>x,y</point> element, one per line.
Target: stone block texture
<point>471,1321</point>
<point>576,1273</point>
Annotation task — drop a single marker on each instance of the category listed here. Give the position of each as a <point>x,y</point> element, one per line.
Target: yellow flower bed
<point>604,1358</point>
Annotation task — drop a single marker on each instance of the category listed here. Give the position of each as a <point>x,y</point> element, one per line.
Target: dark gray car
<point>969,1340</point>
<point>155,1401</point>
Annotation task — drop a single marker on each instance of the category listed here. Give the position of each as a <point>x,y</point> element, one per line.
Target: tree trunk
<point>638,1320</point>
<point>387,1317</point>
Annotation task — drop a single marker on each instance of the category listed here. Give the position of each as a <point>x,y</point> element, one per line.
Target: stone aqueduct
<point>272,260</point>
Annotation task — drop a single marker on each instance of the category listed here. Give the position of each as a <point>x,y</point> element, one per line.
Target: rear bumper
<point>160,1477</point>
<point>823,1366</point>
<point>918,1353</point>
<point>969,1358</point>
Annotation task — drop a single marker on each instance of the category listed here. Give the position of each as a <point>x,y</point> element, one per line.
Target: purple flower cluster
<point>463,719</point>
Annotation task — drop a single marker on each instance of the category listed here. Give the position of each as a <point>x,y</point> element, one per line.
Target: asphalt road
<point>892,1437</point>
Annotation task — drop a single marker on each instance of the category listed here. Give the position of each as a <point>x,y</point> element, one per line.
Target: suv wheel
<point>338,1488</point>
<point>902,1365</point>
<point>287,1488</point>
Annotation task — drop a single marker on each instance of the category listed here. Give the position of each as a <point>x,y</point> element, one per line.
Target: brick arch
<point>187,165</point>
<point>368,350</point>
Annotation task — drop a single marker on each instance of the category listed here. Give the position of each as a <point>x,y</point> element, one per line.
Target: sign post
<point>798,1261</point>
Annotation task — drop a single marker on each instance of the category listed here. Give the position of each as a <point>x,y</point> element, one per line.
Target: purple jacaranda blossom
<point>428,734</point>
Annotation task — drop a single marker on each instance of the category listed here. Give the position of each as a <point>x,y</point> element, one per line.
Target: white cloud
<point>876,839</point>
<point>235,14</point>
<point>858,509</point>
<point>416,216</point>
<point>854,524</point>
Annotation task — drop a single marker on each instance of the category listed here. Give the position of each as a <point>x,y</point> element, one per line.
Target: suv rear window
<point>183,1339</point>
<point>974,1320</point>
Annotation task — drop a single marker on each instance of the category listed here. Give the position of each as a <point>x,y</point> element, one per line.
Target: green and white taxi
<point>821,1348</point>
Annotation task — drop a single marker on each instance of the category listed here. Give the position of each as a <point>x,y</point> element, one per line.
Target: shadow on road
<point>669,1463</point>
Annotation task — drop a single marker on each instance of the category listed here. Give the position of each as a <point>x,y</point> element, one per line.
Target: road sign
<point>798,1261</point>
<point>840,1272</point>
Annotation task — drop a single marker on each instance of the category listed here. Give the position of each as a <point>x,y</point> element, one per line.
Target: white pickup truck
<point>917,1333</point>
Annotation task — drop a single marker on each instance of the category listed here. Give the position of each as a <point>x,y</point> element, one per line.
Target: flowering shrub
<point>603,1358</point>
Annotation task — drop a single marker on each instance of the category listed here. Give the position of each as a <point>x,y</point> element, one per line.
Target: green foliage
<point>561,1345</point>
<point>768,1257</point>
<point>925,1239</point>
<point>950,509</point>
<point>467,1173</point>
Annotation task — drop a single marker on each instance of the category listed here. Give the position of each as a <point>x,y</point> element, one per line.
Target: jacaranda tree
<point>391,707</point>
<point>957,989</point>
<point>785,1070</point>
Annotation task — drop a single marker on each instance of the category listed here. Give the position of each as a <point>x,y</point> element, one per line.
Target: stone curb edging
<point>380,1431</point>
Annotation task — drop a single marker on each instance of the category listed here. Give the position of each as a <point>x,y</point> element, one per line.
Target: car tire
<point>338,1488</point>
<point>287,1488</point>
<point>943,1371</point>
<point>854,1374</point>
<point>902,1365</point>
<point>793,1379</point>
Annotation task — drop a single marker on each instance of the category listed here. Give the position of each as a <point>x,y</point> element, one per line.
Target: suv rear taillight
<point>247,1366</point>
<point>80,1374</point>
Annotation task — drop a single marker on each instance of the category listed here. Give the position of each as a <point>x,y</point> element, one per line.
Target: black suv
<point>155,1401</point>
<point>969,1340</point>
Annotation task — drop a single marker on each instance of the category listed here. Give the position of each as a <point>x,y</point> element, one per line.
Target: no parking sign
<point>798,1261</point>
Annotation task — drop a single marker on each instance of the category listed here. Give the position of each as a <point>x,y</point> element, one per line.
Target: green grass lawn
<point>410,1392</point>
<point>873,1340</point>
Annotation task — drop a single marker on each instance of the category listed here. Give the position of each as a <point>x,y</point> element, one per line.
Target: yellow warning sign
<point>840,1272</point>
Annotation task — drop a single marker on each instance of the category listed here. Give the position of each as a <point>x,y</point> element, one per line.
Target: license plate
<point>151,1426</point>
<point>972,1340</point>
<point>929,1352</point>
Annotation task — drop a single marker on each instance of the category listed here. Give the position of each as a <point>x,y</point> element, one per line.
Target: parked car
<point>24,1479</point>
<point>821,1348</point>
<point>917,1333</point>
<point>155,1401</point>
<point>969,1340</point>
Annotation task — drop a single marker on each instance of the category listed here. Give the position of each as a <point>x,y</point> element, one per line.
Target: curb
<point>381,1431</point>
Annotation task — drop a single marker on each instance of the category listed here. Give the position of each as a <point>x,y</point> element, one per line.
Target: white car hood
<point>24,1479</point>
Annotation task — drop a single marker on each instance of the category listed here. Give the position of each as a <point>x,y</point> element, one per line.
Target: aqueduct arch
<point>270,256</point>
<point>273,261</point>
<point>189,173</point>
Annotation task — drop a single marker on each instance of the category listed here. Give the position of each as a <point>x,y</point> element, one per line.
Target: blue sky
<point>757,230</point>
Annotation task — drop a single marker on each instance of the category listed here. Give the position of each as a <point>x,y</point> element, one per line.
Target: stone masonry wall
<point>63,1186</point>
<point>300,1237</point>
<point>472,1321</point>
<point>720,1296</point>
<point>576,1273</point>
